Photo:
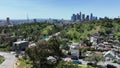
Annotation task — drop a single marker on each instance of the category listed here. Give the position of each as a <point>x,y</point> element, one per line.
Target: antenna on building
<point>27,18</point>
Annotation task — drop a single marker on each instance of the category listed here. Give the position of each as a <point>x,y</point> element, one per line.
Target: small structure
<point>111,55</point>
<point>20,45</point>
<point>94,38</point>
<point>32,44</point>
<point>51,60</point>
<point>105,46</point>
<point>74,50</point>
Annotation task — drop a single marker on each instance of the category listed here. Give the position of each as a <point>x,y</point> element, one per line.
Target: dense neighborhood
<point>86,44</point>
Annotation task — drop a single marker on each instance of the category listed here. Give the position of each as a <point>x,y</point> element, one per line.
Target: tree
<point>95,58</point>
<point>64,44</point>
<point>54,44</point>
<point>87,42</point>
<point>38,54</point>
<point>65,64</point>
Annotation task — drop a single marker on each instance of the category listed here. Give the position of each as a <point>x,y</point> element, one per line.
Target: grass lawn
<point>23,63</point>
<point>84,66</point>
<point>1,59</point>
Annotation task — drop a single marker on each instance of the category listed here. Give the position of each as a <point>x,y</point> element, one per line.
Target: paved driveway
<point>9,60</point>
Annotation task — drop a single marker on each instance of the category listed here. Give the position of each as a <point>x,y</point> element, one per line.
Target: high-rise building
<point>8,21</point>
<point>94,18</point>
<point>34,20</point>
<point>80,16</point>
<point>83,17</point>
<point>73,18</point>
<point>87,18</point>
<point>77,17</point>
<point>91,16</point>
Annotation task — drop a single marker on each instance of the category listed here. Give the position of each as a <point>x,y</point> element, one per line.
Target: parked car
<point>77,61</point>
<point>110,66</point>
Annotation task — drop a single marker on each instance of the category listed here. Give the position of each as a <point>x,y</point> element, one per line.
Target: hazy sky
<point>18,9</point>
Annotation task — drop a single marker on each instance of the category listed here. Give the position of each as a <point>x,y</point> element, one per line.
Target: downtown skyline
<point>57,9</point>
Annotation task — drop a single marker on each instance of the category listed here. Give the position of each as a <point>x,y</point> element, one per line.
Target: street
<point>102,63</point>
<point>52,36</point>
<point>9,60</point>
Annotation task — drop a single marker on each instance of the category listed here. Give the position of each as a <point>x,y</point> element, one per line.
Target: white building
<point>20,45</point>
<point>74,49</point>
<point>111,55</point>
<point>93,40</point>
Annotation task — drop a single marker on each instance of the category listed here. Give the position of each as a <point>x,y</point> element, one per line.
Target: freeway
<point>9,60</point>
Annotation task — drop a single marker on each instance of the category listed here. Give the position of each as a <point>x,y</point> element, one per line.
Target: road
<point>102,63</point>
<point>108,62</point>
<point>9,60</point>
<point>52,36</point>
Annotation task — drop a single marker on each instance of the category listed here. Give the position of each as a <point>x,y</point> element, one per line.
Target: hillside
<point>28,31</point>
<point>79,31</point>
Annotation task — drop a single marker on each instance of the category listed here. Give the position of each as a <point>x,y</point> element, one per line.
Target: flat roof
<point>19,42</point>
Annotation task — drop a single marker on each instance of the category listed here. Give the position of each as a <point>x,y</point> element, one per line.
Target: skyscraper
<point>8,21</point>
<point>94,18</point>
<point>73,18</point>
<point>87,18</point>
<point>83,17</point>
<point>91,16</point>
<point>80,16</point>
<point>34,20</point>
<point>77,17</point>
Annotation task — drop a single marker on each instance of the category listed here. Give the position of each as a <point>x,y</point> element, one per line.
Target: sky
<point>57,9</point>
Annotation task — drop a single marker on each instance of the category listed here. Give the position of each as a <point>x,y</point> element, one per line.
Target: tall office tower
<point>8,20</point>
<point>94,18</point>
<point>83,17</point>
<point>34,20</point>
<point>91,16</point>
<point>77,17</point>
<point>87,18</point>
<point>73,18</point>
<point>80,16</point>
<point>27,18</point>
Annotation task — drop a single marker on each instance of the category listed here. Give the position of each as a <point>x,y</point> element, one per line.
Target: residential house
<point>74,49</point>
<point>32,44</point>
<point>104,46</point>
<point>94,38</point>
<point>111,55</point>
<point>20,46</point>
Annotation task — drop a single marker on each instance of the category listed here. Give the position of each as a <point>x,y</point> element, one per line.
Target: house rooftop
<point>33,44</point>
<point>19,42</point>
<point>74,45</point>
